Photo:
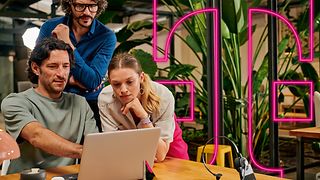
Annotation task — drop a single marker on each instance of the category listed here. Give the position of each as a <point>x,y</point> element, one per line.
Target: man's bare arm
<point>50,142</point>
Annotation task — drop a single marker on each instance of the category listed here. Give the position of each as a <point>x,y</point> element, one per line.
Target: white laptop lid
<point>118,154</point>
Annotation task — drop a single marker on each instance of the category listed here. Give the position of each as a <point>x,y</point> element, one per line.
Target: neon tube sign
<point>216,77</point>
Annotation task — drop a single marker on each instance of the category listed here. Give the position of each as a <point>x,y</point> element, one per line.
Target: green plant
<point>234,32</point>
<point>234,35</point>
<point>233,38</point>
<point>289,69</point>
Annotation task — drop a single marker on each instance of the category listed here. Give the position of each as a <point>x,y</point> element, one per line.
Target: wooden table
<point>170,169</point>
<point>302,134</point>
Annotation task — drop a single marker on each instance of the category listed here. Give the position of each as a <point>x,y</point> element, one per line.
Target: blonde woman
<point>133,101</point>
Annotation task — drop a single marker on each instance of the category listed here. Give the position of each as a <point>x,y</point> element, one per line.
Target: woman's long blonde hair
<point>150,101</point>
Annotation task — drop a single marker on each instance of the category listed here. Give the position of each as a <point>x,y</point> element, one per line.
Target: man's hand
<point>74,82</point>
<point>62,32</point>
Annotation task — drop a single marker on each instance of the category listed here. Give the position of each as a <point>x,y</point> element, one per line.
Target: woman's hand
<point>136,107</point>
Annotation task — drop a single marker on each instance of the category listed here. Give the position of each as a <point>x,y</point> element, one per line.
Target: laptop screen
<point>118,154</point>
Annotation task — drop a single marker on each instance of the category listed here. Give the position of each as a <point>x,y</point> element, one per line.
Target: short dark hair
<point>66,6</point>
<point>42,51</point>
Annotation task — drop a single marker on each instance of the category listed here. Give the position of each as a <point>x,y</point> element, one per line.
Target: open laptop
<point>118,154</point>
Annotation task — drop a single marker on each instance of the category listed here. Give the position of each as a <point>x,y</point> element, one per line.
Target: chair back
<point>316,100</point>
<point>24,85</point>
<point>5,166</point>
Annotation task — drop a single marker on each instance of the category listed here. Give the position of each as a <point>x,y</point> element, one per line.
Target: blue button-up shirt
<point>92,54</point>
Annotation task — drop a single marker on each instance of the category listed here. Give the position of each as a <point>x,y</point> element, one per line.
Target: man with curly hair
<point>92,42</point>
<point>47,123</point>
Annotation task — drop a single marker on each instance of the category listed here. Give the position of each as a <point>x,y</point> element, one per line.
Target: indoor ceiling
<point>35,12</point>
<point>17,15</point>
<point>20,9</point>
<point>42,8</point>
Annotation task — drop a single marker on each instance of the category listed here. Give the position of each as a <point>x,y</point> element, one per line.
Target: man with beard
<point>47,123</point>
<point>93,45</point>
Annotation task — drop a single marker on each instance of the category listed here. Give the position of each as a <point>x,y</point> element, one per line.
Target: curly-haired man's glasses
<point>81,7</point>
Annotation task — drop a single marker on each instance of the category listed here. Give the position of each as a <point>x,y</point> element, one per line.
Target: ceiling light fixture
<point>30,37</point>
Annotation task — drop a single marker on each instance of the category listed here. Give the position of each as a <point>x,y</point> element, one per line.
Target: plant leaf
<point>256,3</point>
<point>124,34</point>
<point>283,45</point>
<point>147,64</point>
<point>281,98</point>
<point>243,35</point>
<point>224,30</point>
<point>306,103</point>
<point>193,43</point>
<point>128,45</point>
<point>309,72</point>
<point>127,31</point>
<point>298,90</point>
<point>182,69</point>
<point>229,15</point>
<point>261,74</point>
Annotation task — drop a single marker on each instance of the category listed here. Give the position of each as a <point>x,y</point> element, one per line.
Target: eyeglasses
<point>81,7</point>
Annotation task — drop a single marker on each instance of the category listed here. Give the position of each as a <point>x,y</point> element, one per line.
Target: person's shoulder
<point>74,97</point>
<point>160,89</point>
<point>106,95</point>
<point>11,96</point>
<point>75,101</point>
<point>165,95</point>
<point>54,21</point>
<point>103,29</point>
<point>16,99</point>
<point>21,95</point>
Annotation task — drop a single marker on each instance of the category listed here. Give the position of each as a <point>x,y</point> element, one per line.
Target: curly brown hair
<point>66,6</point>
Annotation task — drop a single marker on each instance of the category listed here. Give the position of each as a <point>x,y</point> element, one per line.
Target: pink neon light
<point>274,101</point>
<point>154,30</point>
<point>171,32</point>
<point>216,80</point>
<point>191,83</point>
<point>215,50</point>
<point>148,166</point>
<point>286,21</point>
<point>250,59</point>
<point>250,99</point>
